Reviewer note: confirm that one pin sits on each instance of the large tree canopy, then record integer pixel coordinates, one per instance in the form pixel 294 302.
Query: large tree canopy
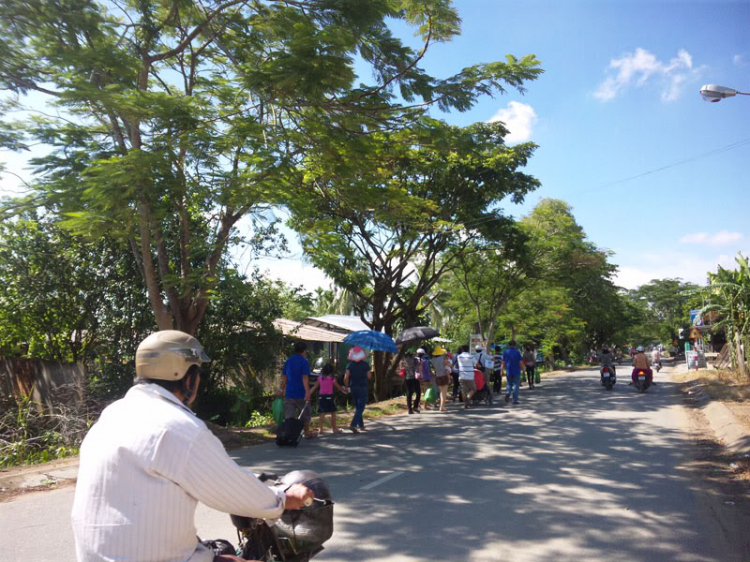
pixel 664 306
pixel 170 120
pixel 381 224
pixel 488 274
pixel 570 261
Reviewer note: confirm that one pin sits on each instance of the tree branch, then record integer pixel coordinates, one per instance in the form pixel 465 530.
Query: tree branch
pixel 193 34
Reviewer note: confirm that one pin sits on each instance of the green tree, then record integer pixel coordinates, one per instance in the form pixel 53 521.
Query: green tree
pixel 665 308
pixel 728 296
pixel 488 274
pixel 52 305
pixel 545 315
pixel 561 250
pixel 381 225
pixel 174 119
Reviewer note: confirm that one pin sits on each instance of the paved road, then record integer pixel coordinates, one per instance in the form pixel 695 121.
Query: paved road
pixel 573 473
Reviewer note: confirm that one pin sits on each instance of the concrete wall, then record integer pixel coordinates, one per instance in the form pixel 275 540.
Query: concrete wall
pixel 49 382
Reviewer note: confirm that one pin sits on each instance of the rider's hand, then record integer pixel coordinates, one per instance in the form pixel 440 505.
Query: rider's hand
pixel 297 496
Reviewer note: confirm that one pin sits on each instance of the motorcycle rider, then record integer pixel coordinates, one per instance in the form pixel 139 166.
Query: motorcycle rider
pixel 607 360
pixel 656 357
pixel 640 363
pixel 148 461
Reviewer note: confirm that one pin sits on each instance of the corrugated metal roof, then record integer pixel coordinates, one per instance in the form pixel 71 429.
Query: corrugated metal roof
pixel 305 332
pixel 337 322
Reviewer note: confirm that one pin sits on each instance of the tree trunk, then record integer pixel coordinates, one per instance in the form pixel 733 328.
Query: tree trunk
pixel 162 315
pixel 740 353
pixel 385 366
pixel 380 366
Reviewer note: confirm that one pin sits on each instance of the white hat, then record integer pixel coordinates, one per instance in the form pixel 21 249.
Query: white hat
pixel 420 351
pixel 167 355
pixel 478 348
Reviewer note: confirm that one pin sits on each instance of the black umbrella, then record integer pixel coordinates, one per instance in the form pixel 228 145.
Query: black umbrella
pixel 418 333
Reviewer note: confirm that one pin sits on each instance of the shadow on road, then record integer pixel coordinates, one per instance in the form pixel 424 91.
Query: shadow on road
pixel 573 473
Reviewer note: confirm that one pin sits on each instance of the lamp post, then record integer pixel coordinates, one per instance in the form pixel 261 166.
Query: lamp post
pixel 714 93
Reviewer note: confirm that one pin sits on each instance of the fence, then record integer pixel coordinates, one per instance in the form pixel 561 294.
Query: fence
pixel 48 382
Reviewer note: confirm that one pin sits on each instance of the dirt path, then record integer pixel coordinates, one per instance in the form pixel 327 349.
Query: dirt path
pixel 723 478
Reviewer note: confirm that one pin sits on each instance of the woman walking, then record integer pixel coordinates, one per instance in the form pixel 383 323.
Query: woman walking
pixel 355 379
pixel 529 360
pixel 442 378
pixel 424 373
pixel 412 384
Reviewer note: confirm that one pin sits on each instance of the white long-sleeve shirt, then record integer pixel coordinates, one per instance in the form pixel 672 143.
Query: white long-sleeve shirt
pixel 144 467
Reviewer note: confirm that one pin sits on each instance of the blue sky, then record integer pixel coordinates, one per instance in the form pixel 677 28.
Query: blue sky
pixel 619 98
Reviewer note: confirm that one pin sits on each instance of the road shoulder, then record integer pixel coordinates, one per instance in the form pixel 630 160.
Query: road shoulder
pixel 721 478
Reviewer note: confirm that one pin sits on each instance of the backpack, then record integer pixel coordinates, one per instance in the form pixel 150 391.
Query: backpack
pixel 479 366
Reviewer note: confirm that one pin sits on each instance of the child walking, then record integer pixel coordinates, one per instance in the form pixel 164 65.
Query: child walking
pixel 326 381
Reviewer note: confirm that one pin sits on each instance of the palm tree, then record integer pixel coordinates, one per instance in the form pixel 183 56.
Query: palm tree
pixel 336 301
pixel 728 294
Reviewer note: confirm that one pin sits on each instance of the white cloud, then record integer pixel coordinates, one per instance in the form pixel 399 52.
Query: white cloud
pixel 721 238
pixel 638 68
pixel 519 118
pixel 672 265
pixel 294 273
pixel 738 60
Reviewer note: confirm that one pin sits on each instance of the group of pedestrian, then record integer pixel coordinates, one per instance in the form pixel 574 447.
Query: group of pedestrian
pixel 470 372
pixel 296 390
pixel 421 372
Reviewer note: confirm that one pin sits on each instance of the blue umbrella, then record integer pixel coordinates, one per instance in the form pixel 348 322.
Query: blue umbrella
pixel 370 339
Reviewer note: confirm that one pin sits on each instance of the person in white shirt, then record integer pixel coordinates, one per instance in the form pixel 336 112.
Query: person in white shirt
pixel 656 357
pixel 485 363
pixel 149 460
pixel 466 364
pixel 481 358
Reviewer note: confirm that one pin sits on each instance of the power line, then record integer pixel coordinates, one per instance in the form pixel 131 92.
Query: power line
pixel 726 148
pixel 738 144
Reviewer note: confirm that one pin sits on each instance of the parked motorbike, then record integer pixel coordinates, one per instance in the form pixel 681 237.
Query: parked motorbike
pixel 641 380
pixel 298 535
pixel 608 377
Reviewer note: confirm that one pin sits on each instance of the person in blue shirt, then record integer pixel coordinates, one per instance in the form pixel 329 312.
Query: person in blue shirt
pixel 512 364
pixel 295 385
pixel 355 379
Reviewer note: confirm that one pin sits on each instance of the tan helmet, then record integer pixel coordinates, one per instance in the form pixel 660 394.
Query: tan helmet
pixel 167 355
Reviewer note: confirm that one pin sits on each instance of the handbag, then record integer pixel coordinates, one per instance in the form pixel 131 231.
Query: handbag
pixel 402 373
pixel 278 410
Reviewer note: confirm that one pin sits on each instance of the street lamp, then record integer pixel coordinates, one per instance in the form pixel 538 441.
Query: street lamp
pixel 714 93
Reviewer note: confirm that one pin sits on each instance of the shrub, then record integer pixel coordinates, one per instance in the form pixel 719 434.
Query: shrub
pixel 258 419
pixel 30 437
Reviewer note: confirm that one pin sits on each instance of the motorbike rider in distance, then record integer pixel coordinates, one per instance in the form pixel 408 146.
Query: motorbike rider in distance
pixel 656 358
pixel 149 460
pixel 640 363
pixel 607 360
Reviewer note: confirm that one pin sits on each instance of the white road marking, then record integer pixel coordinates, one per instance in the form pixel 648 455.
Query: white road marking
pixel 383 480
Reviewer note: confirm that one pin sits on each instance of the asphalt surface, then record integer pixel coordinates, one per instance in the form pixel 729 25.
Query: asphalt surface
pixel 572 473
